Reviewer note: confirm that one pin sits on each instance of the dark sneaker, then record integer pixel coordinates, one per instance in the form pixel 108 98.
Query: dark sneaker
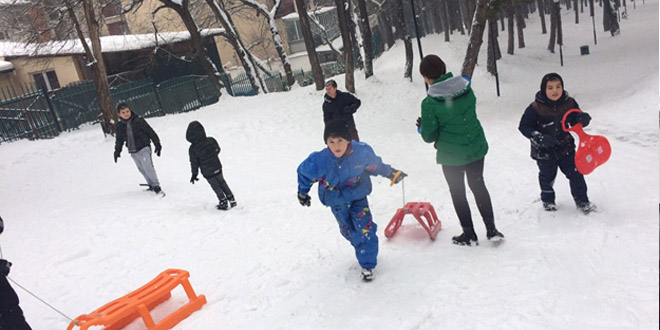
pixel 549 206
pixel 494 235
pixel 586 207
pixel 465 239
pixel 367 274
pixel 223 205
pixel 156 189
pixel 232 202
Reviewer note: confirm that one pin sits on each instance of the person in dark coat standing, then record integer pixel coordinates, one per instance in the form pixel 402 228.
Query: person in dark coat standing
pixel 340 105
pixel 11 315
pixel 136 133
pixel 551 146
pixel 203 154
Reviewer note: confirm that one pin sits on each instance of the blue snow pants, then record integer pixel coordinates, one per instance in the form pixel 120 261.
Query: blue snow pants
pixel 357 226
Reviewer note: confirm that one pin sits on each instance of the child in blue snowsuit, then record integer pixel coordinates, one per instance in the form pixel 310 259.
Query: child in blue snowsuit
pixel 343 171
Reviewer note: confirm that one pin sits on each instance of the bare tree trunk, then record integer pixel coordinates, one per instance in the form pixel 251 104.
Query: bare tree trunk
pixel 510 26
pixel 366 39
pixel 494 53
pixel 520 24
pixel 435 17
pixel 470 8
pixel 274 31
pixel 554 24
pixel 309 45
pixel 476 38
pixel 445 19
pixel 199 51
pixel 109 114
pixel 342 17
pixel 577 14
pixel 407 73
pixel 232 35
pixel 539 3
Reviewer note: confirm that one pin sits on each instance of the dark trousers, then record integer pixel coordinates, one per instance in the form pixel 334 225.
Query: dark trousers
pixel 548 173
pixel 11 316
pixel 220 187
pixel 475 177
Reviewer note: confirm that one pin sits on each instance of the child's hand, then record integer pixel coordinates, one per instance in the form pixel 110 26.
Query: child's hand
pixel 116 155
pixel 193 178
pixel 418 123
pixel 4 267
pixel 396 176
pixel 158 149
pixel 304 199
pixel 543 140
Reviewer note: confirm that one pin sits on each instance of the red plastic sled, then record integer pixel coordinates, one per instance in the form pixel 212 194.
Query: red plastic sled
pixel 593 150
pixel 421 211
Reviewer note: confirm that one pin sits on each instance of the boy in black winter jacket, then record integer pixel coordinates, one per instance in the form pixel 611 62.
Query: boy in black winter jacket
pixel 551 146
pixel 136 133
pixel 203 154
pixel 11 315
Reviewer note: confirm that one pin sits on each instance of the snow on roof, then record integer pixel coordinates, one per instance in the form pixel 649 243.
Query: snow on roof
pixel 6 66
pixel 319 10
pixel 109 44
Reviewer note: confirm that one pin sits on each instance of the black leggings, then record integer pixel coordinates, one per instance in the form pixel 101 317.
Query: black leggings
pixel 475 178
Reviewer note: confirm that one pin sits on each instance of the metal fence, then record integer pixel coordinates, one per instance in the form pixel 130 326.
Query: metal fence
pixel 36 114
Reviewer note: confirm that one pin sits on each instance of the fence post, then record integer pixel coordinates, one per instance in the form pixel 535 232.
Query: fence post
pixel 199 98
pixel 160 104
pixel 56 117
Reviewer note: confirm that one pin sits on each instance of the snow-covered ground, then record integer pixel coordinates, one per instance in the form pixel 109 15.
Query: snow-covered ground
pixel 81 232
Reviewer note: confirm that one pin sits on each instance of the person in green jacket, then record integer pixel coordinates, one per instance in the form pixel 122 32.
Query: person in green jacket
pixel 449 121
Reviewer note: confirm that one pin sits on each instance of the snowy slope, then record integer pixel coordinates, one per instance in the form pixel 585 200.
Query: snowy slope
pixel 81 233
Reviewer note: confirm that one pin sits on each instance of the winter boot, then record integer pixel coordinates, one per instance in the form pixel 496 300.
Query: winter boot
pixel 466 239
pixel 585 207
pixel 232 201
pixel 367 274
pixel 156 189
pixel 494 235
pixel 549 206
pixel 223 205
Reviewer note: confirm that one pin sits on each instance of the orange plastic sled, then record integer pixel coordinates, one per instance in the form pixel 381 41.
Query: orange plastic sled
pixel 421 211
pixel 119 313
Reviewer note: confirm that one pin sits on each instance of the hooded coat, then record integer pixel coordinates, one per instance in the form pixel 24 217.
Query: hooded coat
pixel 143 134
pixel 544 116
pixel 449 121
pixel 203 151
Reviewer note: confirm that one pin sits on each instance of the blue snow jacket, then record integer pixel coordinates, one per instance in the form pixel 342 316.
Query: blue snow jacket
pixel 341 179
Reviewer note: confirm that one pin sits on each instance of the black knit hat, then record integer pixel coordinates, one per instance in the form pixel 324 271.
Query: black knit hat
pixel 336 127
pixel 551 76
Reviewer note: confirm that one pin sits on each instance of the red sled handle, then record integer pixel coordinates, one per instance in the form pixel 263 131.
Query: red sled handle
pixel 575 128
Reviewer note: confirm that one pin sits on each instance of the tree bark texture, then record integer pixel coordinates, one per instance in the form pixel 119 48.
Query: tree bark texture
pixel 407 71
pixel 366 39
pixel 343 18
pixel 108 112
pixel 199 51
pixel 520 25
pixel 542 15
pixel 309 45
pixel 510 27
pixel 476 38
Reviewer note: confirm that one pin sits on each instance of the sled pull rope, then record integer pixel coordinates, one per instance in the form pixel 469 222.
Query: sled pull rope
pixel 34 295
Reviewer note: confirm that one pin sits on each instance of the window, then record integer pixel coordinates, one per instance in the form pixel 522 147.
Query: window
pixel 117 28
pixel 46 79
pixel 293 30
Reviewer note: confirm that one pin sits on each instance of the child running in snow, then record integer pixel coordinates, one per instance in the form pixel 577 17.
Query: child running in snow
pixel 343 171
pixel 203 154
pixel 551 146
pixel 136 133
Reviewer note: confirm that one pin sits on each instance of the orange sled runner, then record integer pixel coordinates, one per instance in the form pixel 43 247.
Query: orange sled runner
pixel 119 313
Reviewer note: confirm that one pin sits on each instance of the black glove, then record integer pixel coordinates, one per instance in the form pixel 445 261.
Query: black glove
pixel 117 155
pixel 543 140
pixel 418 123
pixel 393 173
pixel 304 199
pixel 4 267
pixel 2 225
pixel 193 178
pixel 158 148
pixel 578 118
pixel 583 118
